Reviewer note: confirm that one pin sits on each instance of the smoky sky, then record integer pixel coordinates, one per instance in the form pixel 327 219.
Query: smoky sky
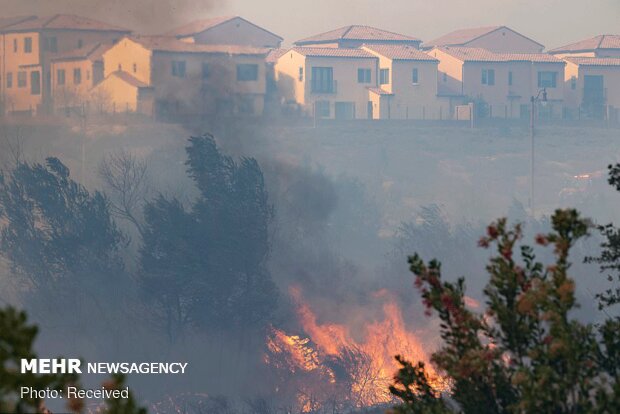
pixel 551 22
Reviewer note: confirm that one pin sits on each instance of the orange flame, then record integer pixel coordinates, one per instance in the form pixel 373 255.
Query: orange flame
pixel 362 370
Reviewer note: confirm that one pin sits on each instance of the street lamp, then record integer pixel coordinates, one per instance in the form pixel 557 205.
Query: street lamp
pixel 541 97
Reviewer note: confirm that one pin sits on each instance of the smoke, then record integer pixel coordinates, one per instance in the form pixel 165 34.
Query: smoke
pixel 142 16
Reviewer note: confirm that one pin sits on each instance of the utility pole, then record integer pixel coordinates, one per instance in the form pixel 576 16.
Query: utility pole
pixel 531 200
pixel 533 101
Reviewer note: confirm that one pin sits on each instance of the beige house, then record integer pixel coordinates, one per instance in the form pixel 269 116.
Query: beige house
pixel 226 30
pixel 328 82
pixel 500 39
pixel 29 46
pixel 592 87
pixel 501 84
pixel 407 84
pixel 355 36
pixel 186 78
pixel 599 46
pixel 73 76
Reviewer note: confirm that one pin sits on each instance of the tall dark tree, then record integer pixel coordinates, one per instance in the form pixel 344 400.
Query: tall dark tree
pixel 58 237
pixel 207 265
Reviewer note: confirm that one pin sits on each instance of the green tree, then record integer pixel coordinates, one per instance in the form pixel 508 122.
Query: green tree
pixel 16 341
pixel 206 265
pixel 59 238
pixel 525 353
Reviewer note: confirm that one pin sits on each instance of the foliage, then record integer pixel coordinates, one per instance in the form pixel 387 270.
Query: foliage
pixel 206 265
pixel 57 235
pixel 16 340
pixel 609 260
pixel 525 353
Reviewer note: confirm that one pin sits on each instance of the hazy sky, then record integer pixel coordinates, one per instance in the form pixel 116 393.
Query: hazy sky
pixel 551 22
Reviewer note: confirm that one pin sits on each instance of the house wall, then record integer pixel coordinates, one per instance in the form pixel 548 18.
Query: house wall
pixel 71 94
pixel 238 32
pixel 18 99
pixel 290 87
pixel 123 55
pixel 449 71
pixel 347 87
pixel 611 83
pixel 505 40
pixel 415 101
pixel 113 95
pixel 193 94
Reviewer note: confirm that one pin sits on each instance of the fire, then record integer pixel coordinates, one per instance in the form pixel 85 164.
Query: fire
pixel 331 367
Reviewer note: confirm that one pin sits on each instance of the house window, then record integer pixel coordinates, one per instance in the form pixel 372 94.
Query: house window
pixel 28 45
pixel 573 82
pixel 488 77
pixel 14 45
pixel 247 72
pixel 35 83
pixel 363 76
pixel 178 68
pixel 415 76
pixel 60 77
pixel 22 79
pixel 9 79
pixel 50 44
pixel 323 80
pixel 300 77
pixel 322 109
pixel 445 77
pixel 205 70
pixel 547 79
pixel 80 43
pixel 384 76
pixel 510 78
pixel 135 68
pixel 77 76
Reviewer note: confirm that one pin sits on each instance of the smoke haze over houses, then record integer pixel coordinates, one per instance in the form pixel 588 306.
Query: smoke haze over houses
pixel 551 22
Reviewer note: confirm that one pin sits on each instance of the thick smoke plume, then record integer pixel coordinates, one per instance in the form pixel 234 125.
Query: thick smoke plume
pixel 143 16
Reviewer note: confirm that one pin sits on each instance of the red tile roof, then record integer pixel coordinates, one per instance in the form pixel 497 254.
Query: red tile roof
pixel 400 52
pixel 333 52
pixel 476 54
pixel 172 44
pixel 464 36
pixel 10 21
pixel 90 52
pixel 592 61
pixel 66 22
pixel 200 26
pixel 274 55
pixel 129 79
pixel 591 44
pixel 356 32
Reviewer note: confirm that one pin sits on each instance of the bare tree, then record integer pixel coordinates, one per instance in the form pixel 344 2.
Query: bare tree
pixel 12 141
pixel 125 176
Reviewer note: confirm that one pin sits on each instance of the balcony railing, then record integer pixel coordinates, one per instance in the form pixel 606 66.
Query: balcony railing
pixel 324 87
